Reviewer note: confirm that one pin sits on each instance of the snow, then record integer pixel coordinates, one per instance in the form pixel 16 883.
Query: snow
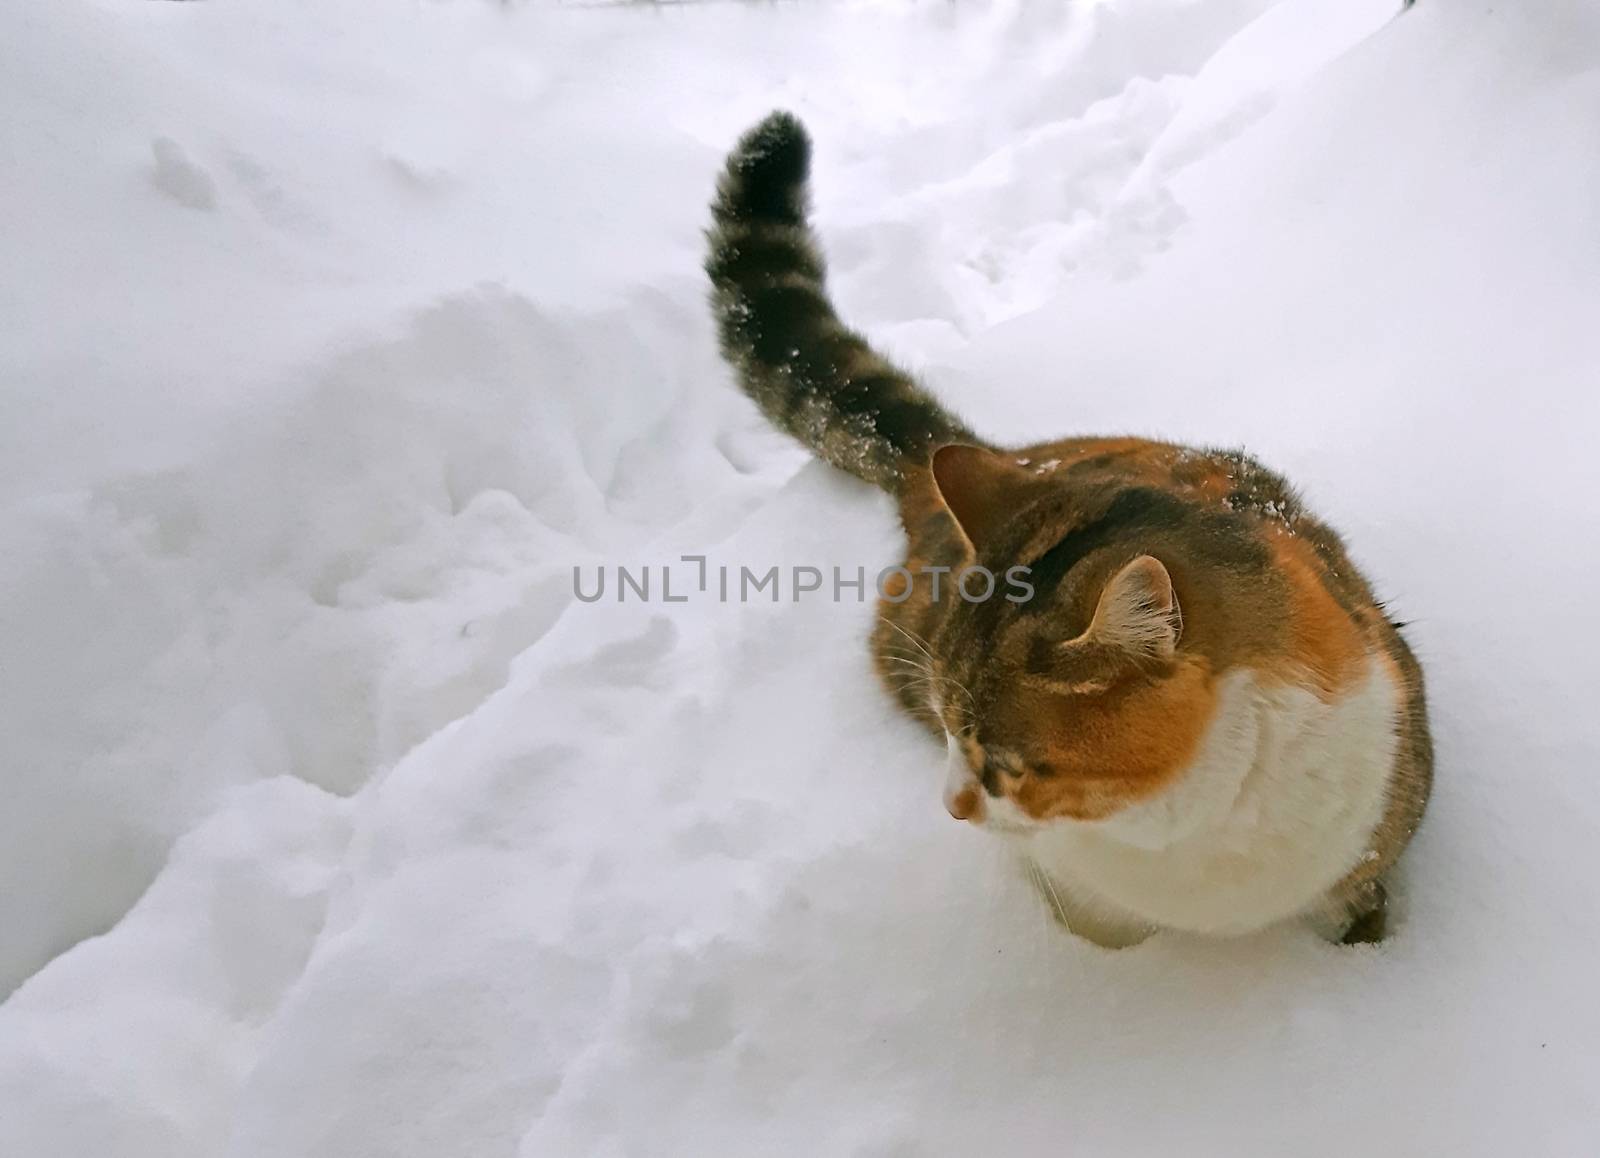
pixel 338 334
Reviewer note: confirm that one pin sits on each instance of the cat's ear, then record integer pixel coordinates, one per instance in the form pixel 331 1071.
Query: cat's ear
pixel 1138 611
pixel 979 487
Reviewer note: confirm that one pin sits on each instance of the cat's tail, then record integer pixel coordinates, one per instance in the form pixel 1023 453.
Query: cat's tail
pixel 810 374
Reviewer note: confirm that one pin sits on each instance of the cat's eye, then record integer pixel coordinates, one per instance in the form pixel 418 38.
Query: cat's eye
pixel 1008 764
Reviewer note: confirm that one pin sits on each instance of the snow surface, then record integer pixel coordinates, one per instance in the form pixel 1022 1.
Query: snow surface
pixel 337 333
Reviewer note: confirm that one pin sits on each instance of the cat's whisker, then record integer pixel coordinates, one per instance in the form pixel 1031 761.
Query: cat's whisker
pixel 916 642
pixel 908 662
pixel 922 646
pixel 1055 897
pixel 913 686
pixel 933 678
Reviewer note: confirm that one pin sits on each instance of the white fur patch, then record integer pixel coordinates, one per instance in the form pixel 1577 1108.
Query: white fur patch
pixel 1280 804
pixel 958 777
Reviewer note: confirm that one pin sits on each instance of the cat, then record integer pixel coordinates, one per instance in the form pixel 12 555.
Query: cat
pixel 1201 720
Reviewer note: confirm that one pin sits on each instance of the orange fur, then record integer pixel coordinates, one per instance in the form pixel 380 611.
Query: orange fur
pixel 1324 643
pixel 1104 754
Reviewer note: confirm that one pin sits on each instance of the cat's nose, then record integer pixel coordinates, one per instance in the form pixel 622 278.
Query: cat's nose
pixel 965 804
pixel 962 796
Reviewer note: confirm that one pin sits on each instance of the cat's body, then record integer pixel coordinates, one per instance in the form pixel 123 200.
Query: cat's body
pixel 1201 719
pixel 1280 773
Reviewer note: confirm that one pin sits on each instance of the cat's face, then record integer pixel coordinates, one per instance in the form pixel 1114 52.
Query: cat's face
pixel 1073 707
pixel 1029 753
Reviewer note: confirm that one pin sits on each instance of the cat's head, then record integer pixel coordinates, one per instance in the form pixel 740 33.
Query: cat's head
pixel 1082 699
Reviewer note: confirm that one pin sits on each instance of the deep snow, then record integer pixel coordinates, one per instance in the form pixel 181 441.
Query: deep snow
pixel 338 333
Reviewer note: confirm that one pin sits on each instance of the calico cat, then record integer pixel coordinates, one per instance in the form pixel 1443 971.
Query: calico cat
pixel 1201 720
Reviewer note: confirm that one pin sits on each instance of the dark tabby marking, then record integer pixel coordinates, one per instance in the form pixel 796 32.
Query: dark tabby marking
pixel 809 373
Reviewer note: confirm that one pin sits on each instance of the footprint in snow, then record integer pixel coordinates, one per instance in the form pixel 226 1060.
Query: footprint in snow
pixel 180 178
pixel 628 663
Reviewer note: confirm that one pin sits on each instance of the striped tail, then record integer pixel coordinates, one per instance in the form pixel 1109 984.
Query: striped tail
pixel 810 374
